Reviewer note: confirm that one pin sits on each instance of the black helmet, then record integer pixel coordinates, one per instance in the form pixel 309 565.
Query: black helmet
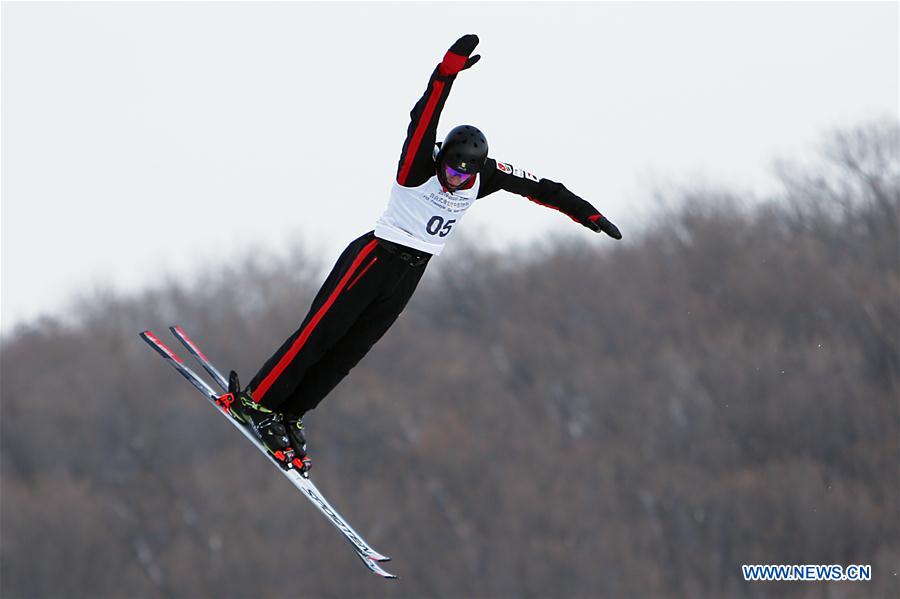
pixel 464 149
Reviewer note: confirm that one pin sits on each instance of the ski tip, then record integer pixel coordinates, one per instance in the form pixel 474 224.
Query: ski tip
pixel 373 566
pixel 150 337
pixel 384 573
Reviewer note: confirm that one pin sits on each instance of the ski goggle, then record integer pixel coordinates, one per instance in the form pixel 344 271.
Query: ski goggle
pixel 452 172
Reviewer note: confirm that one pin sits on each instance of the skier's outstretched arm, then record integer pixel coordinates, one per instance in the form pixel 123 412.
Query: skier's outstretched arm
pixel 416 162
pixel 499 175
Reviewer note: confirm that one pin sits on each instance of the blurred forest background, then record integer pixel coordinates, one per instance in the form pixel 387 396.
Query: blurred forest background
pixel 601 419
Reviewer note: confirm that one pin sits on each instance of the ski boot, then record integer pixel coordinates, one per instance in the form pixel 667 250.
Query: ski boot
pixel 268 426
pixel 294 426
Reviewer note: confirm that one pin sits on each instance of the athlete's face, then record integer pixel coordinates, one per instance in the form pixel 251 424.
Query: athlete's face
pixel 455 178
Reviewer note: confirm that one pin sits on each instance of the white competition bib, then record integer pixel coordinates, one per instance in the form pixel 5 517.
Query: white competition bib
pixel 424 217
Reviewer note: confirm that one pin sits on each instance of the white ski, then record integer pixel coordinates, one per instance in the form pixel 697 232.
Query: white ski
pixel 369 556
pixel 314 495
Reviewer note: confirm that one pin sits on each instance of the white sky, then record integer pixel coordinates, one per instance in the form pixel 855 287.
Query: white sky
pixel 142 139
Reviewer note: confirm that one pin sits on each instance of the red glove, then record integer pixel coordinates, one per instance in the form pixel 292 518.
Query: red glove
pixel 457 57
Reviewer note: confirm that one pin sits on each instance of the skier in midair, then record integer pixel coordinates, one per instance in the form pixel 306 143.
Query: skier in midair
pixel 377 273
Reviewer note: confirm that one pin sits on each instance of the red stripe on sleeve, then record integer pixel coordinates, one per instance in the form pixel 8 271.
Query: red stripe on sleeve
pixel 416 140
pixel 553 207
pixel 295 348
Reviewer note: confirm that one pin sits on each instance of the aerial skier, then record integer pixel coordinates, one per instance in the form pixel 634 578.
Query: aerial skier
pixel 377 273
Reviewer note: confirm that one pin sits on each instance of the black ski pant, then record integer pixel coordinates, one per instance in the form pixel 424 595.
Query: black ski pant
pixel 362 297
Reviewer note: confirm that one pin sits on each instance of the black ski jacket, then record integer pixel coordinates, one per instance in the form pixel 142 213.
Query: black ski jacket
pixel 417 163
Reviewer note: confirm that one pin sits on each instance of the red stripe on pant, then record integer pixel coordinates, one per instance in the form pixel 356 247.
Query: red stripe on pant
pixel 295 348
pixel 362 272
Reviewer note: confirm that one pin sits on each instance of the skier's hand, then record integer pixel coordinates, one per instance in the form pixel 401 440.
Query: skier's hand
pixel 457 57
pixel 601 223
